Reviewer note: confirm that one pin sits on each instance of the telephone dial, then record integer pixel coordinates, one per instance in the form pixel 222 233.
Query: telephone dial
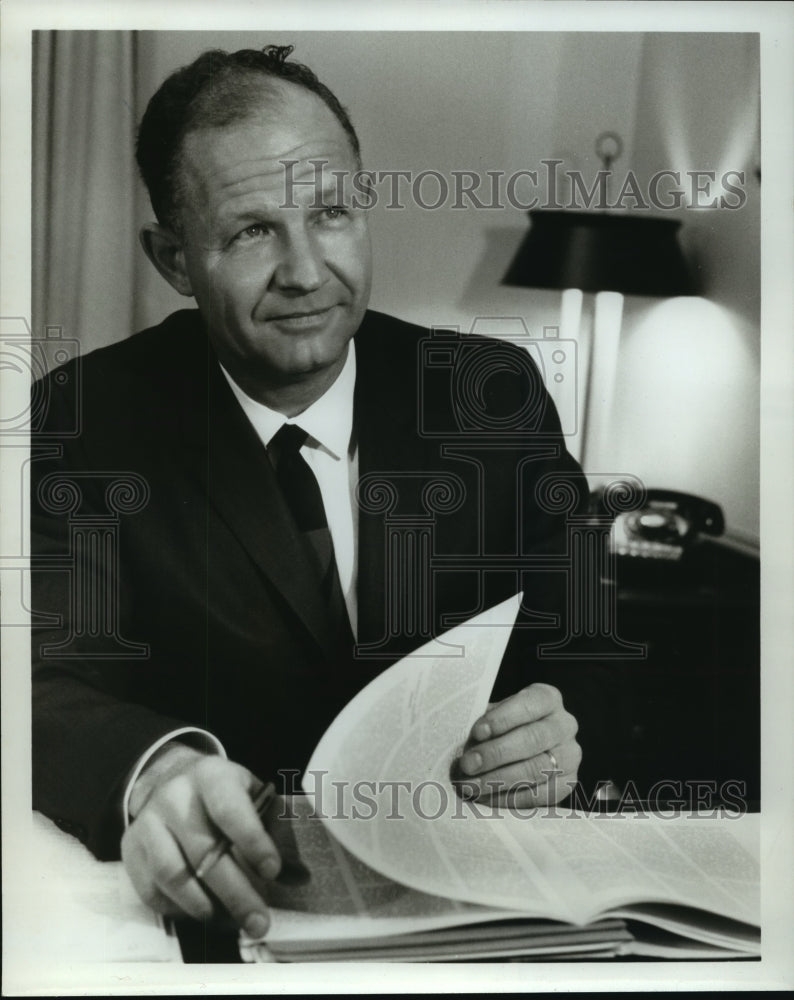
pixel 665 526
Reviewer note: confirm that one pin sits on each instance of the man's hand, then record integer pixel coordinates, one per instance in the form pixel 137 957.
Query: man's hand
pixel 182 805
pixel 514 747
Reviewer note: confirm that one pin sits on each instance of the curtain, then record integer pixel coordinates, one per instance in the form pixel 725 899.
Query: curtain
pixel 90 277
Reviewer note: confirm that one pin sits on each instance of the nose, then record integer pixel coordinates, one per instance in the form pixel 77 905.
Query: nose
pixel 301 267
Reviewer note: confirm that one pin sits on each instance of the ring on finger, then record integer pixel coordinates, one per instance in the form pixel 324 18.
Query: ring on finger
pixel 182 878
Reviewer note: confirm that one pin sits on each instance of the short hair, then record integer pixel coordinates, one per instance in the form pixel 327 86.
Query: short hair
pixel 216 89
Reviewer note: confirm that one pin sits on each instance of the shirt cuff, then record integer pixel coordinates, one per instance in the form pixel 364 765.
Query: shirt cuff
pixel 199 738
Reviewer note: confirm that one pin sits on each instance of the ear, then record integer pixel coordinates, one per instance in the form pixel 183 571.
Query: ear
pixel 164 249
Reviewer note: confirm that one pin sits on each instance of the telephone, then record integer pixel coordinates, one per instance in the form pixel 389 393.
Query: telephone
pixel 665 526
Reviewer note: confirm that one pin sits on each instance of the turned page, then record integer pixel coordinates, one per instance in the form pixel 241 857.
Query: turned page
pixel 380 776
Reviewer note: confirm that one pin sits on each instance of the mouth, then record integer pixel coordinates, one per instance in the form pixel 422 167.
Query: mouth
pixel 302 319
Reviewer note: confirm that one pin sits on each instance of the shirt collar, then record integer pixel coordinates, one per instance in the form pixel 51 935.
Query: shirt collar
pixel 329 419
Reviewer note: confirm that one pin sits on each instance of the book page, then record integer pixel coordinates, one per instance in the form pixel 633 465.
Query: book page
pixel 707 862
pixel 380 776
pixel 653 919
pixel 346 899
pixel 654 942
pixel 380 780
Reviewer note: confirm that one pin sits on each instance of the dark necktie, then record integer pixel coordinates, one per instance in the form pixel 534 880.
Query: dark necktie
pixel 304 499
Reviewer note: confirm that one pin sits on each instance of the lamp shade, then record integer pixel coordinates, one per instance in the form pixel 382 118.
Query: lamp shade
pixel 599 252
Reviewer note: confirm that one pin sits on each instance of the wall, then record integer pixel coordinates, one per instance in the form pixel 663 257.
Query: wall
pixel 686 406
pixel 687 410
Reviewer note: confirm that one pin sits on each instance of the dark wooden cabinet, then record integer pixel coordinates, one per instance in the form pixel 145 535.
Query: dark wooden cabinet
pixel 690 710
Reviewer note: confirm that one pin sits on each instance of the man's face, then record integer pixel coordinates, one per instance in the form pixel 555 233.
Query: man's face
pixel 282 289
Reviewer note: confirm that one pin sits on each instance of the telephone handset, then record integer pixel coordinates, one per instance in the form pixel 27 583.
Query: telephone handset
pixel 665 526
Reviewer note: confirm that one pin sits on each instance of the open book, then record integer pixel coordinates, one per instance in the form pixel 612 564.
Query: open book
pixel 403 869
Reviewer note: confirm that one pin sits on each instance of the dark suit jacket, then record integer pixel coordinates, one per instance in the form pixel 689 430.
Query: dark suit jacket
pixel 204 610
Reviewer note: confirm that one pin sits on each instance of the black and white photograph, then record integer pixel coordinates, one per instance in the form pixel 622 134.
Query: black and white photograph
pixel 396 461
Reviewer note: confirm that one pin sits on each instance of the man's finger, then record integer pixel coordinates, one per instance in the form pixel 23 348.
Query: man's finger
pixel 230 885
pixel 524 796
pixel 174 878
pixel 230 809
pixel 533 703
pixel 531 773
pixel 158 871
pixel 520 744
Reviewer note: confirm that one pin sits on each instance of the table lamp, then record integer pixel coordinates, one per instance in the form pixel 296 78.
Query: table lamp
pixel 609 254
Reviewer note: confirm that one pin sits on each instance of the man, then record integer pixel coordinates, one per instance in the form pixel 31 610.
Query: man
pixel 228 654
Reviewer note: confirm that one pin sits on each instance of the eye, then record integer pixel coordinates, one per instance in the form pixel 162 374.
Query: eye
pixel 335 212
pixel 253 232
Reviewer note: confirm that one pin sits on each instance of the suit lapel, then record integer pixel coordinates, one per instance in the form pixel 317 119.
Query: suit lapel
pixel 385 418
pixel 390 406
pixel 234 468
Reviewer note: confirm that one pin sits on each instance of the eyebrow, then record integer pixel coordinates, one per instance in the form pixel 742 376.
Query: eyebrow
pixel 330 193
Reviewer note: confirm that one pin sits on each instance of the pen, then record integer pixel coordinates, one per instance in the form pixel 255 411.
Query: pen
pixel 260 802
